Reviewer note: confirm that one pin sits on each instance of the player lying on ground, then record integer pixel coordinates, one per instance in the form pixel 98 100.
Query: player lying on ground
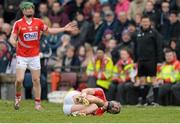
pixel 90 101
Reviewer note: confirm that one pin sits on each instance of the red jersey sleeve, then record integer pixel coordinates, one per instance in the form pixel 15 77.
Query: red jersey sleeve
pixel 99 111
pixel 15 28
pixel 100 94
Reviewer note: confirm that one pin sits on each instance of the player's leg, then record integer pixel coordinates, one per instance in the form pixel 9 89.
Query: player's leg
pixel 35 67
pixel 18 86
pixel 36 87
pixel 21 66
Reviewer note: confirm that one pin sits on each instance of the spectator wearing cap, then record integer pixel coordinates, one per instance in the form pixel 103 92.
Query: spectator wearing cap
pixel 110 22
pixel 136 7
pixel 108 35
pixel 94 31
pixel 174 29
pixel 122 6
pixel 99 71
pixel 122 24
pixel 57 15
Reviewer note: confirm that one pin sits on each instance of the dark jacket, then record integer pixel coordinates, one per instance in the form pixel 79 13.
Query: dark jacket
pixel 93 35
pixel 73 67
pixel 174 30
pixel 61 18
pixel 148 45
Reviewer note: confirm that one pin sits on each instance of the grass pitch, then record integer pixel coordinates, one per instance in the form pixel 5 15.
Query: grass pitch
pixel 53 114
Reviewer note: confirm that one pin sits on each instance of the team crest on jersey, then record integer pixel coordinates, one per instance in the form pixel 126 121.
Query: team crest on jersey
pixel 30 36
pixel 23 28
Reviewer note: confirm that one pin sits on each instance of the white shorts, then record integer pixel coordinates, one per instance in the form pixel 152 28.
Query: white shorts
pixel 69 102
pixel 32 63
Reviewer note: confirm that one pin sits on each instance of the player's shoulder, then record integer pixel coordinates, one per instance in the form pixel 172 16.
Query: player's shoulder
pixel 18 21
pixel 38 19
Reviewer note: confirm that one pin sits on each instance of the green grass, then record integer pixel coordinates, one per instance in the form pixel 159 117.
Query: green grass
pixel 53 113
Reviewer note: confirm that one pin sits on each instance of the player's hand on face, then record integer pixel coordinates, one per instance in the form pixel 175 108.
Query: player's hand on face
pixel 71 27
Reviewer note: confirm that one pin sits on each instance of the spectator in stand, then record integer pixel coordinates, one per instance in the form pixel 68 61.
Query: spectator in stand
pixel 178 6
pixel 123 23
pixel 90 7
pixel 81 54
pixel 57 15
pixel 61 50
pixel 70 61
pixel 122 6
pixel 173 45
pixel 136 7
pixel 151 12
pixel 163 22
pixel 108 35
pixel 54 39
pixel 5 55
pixel 72 7
pixel 123 78
pixel 89 55
pixel 112 51
pixel 93 35
pixel 174 29
pixel 132 28
pixel 6 27
pixel 10 9
pixel 1 23
pixel 50 3
pixel 83 25
pixel 127 41
pixel 110 22
pixel 43 10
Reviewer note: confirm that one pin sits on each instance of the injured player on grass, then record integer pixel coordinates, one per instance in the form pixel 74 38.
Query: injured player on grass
pixel 90 101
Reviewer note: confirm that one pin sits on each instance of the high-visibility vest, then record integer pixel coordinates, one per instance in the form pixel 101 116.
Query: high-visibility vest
pixel 102 70
pixel 128 72
pixel 169 73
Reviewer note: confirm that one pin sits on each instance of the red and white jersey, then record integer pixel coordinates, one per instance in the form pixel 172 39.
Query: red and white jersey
pixel 28 36
pixel 100 94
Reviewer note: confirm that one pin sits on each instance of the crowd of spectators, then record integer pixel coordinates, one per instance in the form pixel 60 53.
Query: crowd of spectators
pixel 108 23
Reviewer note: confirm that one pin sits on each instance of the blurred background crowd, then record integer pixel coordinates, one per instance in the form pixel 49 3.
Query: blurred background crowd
pixel 110 41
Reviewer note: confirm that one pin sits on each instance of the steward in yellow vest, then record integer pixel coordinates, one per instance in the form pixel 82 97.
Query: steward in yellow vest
pixel 124 73
pixel 99 70
pixel 168 78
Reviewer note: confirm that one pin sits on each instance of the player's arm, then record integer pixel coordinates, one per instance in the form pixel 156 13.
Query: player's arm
pixel 13 39
pixel 88 91
pixel 69 27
